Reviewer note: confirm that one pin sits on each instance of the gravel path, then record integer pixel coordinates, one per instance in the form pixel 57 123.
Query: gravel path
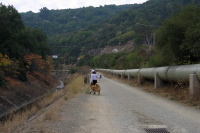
pixel 121 108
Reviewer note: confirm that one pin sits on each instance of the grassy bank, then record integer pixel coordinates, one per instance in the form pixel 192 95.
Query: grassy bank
pixel 46 108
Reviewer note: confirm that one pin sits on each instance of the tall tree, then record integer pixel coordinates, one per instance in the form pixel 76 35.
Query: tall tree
pixel 44 13
pixel 178 39
pixel 10 27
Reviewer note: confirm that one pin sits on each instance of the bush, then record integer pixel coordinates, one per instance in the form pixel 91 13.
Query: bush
pixel 73 70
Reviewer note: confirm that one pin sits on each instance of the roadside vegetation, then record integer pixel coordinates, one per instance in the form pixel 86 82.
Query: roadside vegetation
pixel 45 109
pixel 25 69
pixel 76 86
pixel 22 49
pixel 14 121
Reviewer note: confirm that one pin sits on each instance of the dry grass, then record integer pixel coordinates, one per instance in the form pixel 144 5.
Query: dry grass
pixel 53 114
pixel 18 119
pixel 75 86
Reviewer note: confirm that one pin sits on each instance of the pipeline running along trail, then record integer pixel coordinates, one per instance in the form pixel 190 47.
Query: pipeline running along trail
pixel 121 108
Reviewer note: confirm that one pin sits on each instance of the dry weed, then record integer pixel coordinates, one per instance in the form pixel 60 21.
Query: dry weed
pixel 76 86
pixel 11 124
pixel 53 113
pixel 51 98
pixel 18 119
pixel 37 127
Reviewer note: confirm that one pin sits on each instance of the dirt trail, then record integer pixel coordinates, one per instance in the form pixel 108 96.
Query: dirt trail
pixel 122 109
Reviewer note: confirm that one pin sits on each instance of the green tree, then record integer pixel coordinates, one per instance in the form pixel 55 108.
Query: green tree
pixel 11 26
pixel 178 38
pixel 44 13
pixel 16 41
pixel 190 45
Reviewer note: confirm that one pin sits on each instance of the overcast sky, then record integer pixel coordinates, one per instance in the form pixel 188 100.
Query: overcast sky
pixel 36 5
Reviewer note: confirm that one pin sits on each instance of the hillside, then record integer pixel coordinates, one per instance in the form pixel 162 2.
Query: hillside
pixel 74 32
pixel 128 47
pixel 55 22
pixel 15 94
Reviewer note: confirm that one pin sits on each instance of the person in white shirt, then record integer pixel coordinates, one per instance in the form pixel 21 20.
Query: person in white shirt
pixel 94 78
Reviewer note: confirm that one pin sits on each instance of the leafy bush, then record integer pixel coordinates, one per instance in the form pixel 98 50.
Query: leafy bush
pixel 35 62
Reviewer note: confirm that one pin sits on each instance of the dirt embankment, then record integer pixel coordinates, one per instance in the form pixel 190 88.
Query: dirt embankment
pixel 128 47
pixel 16 94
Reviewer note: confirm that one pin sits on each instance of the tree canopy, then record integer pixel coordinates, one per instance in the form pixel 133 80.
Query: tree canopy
pixel 178 39
pixel 77 32
pixel 18 41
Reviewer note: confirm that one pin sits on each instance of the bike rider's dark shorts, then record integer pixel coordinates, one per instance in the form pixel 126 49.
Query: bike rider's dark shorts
pixel 93 82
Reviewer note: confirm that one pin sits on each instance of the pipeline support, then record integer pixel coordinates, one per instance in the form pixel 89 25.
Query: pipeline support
pixel 129 76
pixel 122 76
pixel 157 81
pixel 140 79
pixel 194 87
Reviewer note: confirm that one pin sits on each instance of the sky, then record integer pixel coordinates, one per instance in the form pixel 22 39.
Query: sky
pixel 36 5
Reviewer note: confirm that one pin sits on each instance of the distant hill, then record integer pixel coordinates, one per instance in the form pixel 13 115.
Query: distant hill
pixel 74 32
pixel 68 20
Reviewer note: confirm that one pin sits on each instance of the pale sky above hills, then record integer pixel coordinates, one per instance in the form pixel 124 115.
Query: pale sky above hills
pixel 36 5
